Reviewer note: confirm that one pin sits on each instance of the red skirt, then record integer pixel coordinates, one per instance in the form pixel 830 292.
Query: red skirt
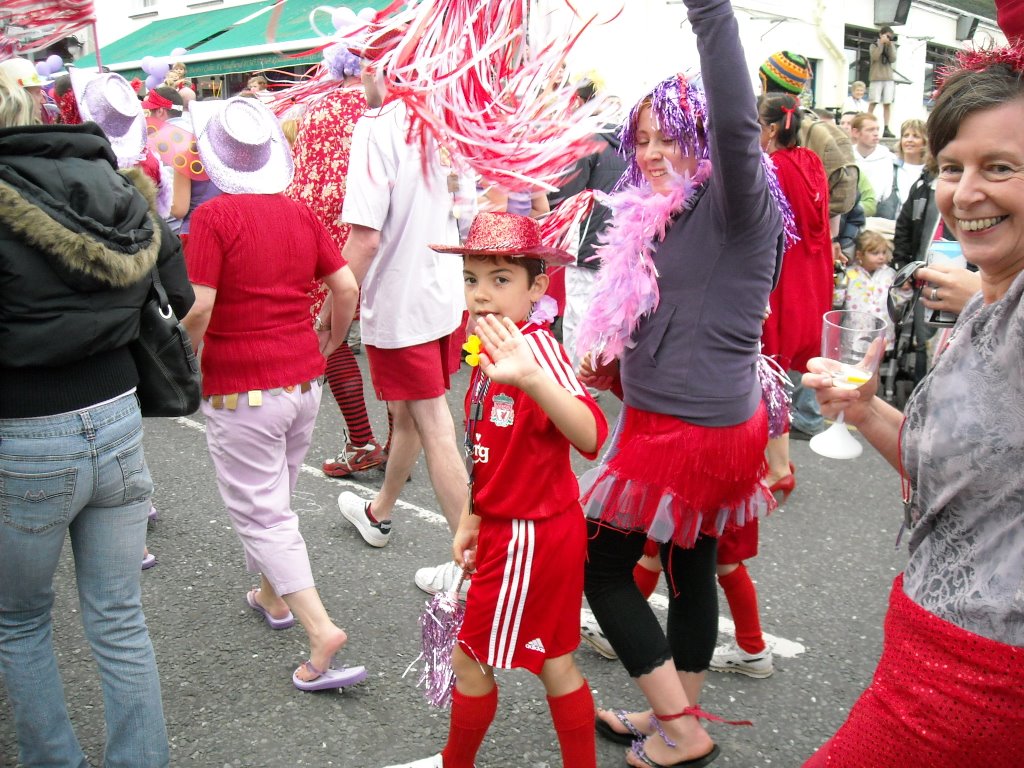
pixel 941 697
pixel 677 480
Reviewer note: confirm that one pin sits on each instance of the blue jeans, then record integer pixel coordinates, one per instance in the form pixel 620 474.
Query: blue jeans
pixel 84 474
pixel 804 411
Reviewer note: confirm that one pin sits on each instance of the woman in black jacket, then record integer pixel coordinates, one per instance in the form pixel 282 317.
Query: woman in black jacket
pixel 77 244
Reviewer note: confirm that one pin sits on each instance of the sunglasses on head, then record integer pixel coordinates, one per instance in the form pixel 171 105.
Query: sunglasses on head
pixel 899 305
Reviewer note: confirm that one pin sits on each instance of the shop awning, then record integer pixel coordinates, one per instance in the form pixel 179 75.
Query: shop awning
pixel 160 37
pixel 227 40
pixel 244 47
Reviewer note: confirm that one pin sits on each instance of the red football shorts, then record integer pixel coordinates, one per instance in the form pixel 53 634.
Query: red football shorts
pixel 524 604
pixel 420 372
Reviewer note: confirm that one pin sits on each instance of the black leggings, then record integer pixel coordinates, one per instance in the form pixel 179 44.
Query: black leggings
pixel 627 619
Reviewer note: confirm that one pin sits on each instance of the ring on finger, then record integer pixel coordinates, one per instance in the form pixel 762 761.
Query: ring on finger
pixel 935 294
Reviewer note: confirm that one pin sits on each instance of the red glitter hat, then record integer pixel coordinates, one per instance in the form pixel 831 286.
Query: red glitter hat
pixel 507 234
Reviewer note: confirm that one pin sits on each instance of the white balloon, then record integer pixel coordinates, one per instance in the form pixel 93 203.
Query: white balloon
pixel 367 14
pixel 147 64
pixel 343 17
pixel 179 52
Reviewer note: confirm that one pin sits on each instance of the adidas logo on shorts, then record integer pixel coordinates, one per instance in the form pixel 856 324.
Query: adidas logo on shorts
pixel 535 645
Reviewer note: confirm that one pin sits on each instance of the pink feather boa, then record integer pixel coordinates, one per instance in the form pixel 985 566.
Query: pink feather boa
pixel 627 283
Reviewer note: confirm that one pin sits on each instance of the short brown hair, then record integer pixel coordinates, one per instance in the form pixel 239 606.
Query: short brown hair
pixel 918 127
pixel 532 266
pixel 966 92
pixel 857 123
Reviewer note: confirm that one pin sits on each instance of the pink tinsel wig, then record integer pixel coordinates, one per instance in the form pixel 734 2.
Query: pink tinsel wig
pixel 679 109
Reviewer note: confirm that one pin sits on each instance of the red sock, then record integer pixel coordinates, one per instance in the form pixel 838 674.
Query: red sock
pixel 742 597
pixel 471 717
pixel 646 579
pixel 573 716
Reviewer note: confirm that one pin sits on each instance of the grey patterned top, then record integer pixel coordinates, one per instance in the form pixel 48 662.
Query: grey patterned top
pixel 963 448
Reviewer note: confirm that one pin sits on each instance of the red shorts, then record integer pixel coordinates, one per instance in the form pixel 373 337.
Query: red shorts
pixel 524 607
pixel 738 544
pixel 420 372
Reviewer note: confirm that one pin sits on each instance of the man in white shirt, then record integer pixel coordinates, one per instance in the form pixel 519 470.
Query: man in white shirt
pixel 873 158
pixel 411 306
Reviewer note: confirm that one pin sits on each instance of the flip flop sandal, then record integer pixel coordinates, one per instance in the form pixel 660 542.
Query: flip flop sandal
pixel 329 678
pixel 283 623
pixel 697 762
pixel 633 733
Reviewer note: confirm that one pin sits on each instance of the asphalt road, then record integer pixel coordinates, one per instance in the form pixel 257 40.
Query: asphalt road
pixel 826 564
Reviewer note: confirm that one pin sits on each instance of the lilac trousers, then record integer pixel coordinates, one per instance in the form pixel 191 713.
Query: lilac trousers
pixel 257 452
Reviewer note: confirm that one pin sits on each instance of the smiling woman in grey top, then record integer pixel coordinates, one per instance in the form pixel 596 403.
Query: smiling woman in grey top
pixel 947 690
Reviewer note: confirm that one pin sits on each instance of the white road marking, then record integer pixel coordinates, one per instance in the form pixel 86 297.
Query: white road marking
pixel 780 646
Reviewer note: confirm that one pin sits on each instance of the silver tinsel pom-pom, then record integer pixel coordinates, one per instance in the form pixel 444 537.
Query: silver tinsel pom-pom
pixel 440 624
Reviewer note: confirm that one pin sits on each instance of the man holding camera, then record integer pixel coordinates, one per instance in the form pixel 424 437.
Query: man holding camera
pixel 883 86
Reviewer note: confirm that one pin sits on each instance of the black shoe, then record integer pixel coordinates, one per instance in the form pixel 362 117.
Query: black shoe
pixel 887 134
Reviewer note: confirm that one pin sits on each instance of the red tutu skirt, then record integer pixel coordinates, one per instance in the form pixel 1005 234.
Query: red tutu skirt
pixel 941 697
pixel 677 480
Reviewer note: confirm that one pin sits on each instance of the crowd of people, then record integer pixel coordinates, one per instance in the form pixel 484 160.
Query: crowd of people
pixel 723 221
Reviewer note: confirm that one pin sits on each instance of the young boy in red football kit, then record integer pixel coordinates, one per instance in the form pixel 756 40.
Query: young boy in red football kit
pixel 523 536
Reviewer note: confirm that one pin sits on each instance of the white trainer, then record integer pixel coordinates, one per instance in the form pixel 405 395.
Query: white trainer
pixel 731 658
pixel 354 509
pixel 426 762
pixel 441 578
pixel 591 631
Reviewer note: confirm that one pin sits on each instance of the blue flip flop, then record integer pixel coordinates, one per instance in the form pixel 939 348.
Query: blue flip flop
pixel 329 678
pixel 287 621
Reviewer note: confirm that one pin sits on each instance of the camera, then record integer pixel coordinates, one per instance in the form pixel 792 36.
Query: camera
pixel 946 252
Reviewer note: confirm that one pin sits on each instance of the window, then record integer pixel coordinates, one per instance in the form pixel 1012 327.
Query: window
pixel 857 42
pixel 935 57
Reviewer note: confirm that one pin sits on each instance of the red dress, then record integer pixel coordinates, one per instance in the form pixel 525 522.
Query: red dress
pixel 793 332
pixel 321 164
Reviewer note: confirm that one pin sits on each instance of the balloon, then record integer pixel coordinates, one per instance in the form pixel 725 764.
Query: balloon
pixel 367 14
pixel 55 63
pixel 177 52
pixel 343 17
pixel 154 82
pixel 160 69
pixel 42 69
pixel 147 64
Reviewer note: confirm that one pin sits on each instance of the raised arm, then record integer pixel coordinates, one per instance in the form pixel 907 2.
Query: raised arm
pixel 735 133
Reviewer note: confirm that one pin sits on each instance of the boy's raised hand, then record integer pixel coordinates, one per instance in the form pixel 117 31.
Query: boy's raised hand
pixel 505 357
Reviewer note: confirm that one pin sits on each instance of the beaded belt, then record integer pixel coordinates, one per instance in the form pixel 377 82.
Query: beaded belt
pixel 255 396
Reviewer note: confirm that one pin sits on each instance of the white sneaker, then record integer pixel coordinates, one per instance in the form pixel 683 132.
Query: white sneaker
pixel 426 762
pixel 441 578
pixel 730 658
pixel 591 631
pixel 354 509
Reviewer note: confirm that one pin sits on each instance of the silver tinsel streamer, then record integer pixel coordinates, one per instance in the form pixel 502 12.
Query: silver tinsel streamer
pixel 440 624
pixel 775 386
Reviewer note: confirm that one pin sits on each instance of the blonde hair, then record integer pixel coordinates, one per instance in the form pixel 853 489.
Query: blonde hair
pixel 17 107
pixel 915 126
pixel 290 129
pixel 870 241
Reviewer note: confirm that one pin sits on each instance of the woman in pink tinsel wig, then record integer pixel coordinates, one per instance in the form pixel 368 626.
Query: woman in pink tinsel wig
pixel 692 252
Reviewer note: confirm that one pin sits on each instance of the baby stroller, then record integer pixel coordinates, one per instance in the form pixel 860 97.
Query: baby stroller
pixel 904 365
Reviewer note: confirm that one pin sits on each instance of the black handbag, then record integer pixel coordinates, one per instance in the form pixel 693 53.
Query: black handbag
pixel 169 383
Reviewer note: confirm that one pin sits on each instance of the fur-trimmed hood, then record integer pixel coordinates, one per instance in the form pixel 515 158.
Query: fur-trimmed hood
pixel 61 195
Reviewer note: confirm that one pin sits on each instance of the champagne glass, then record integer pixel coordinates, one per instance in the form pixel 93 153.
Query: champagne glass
pixel 852 344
